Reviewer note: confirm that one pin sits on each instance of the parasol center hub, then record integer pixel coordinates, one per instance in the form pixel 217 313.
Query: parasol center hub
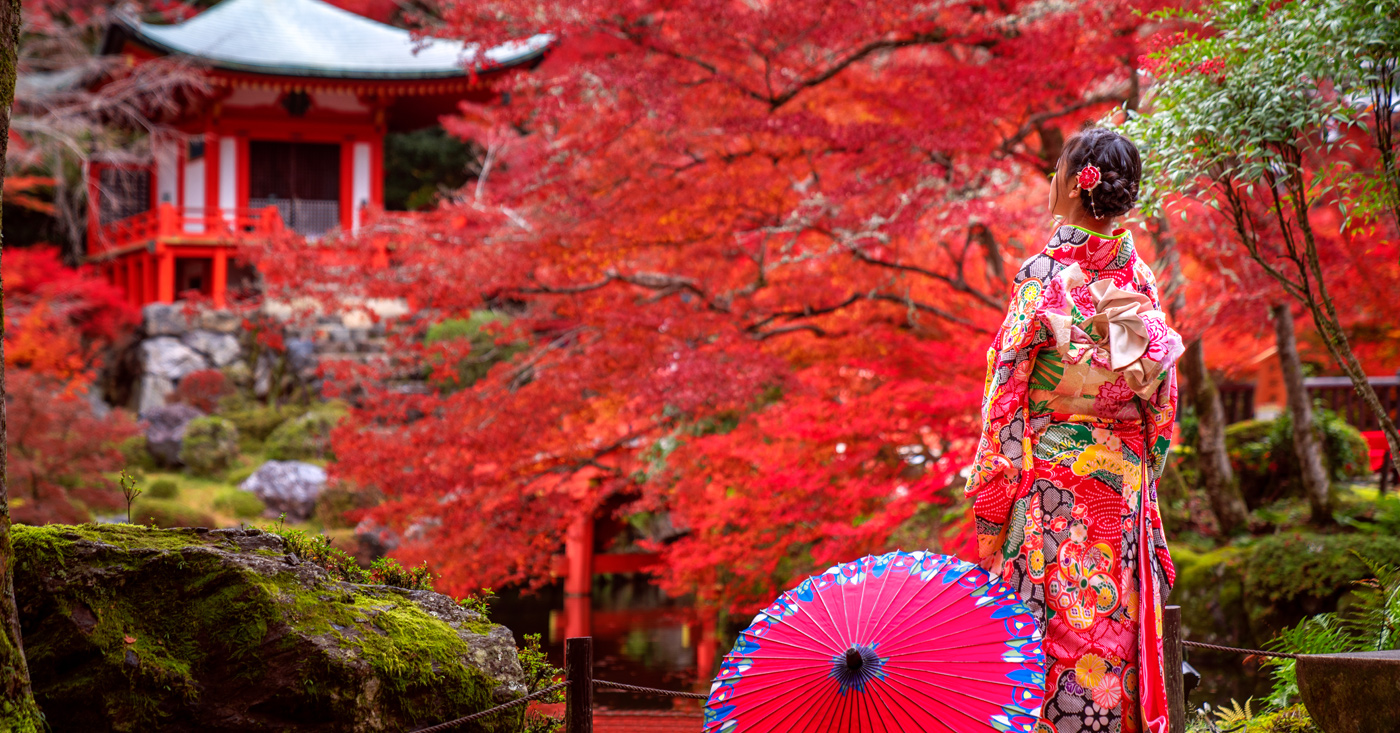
pixel 854 660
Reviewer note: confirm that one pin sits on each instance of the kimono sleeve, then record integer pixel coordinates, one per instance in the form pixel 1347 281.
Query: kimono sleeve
pixel 1003 449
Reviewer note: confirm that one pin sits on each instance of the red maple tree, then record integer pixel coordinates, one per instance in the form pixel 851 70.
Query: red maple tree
pixel 58 323
pixel 756 251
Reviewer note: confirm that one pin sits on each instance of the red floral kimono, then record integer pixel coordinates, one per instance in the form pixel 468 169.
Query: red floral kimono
pixel 1077 418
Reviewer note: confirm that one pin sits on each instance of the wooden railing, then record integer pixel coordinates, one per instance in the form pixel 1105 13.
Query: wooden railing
pixel 170 222
pixel 1339 396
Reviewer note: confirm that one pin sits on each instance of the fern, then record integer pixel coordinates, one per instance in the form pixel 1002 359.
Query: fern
pixel 1370 623
pixel 1232 718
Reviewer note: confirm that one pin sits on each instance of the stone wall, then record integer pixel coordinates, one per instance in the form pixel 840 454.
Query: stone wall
pixel 175 341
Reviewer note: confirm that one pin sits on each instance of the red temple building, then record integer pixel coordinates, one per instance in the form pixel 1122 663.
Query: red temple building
pixel 290 137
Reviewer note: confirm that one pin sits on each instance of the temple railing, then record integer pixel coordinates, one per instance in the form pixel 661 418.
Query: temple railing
pixel 201 224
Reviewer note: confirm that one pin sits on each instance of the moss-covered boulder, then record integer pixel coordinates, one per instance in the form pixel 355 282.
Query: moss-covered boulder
pixel 304 438
pixel 1243 594
pixel 134 629
pixel 210 445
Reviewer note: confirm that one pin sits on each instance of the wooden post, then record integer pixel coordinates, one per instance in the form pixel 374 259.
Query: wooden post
pixel 165 278
pixel 578 672
pixel 1171 663
pixel 578 548
pixel 219 284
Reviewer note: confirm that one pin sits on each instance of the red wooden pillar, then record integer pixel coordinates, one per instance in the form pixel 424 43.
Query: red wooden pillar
pixel 578 584
pixel 220 277
pixel 705 650
pixel 165 278
pixel 133 279
pixel 578 548
pixel 148 292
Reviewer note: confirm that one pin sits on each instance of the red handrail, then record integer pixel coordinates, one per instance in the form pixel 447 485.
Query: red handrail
pixel 168 221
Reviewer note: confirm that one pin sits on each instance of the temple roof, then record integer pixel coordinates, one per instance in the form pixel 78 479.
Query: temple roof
pixel 313 38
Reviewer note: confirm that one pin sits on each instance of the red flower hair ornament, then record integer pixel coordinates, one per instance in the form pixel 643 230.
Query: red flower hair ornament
pixel 1089 177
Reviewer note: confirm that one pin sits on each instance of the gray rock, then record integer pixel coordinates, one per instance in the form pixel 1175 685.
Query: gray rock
pixel 301 354
pixel 165 430
pixel 220 321
pixel 289 487
pixel 262 375
pixel 184 630
pixel 220 349
pixel 164 319
pixel 168 358
pixel 152 392
pixel 239 373
pixel 375 539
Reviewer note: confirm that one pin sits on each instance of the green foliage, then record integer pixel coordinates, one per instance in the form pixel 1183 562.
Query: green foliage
pixel 388 571
pixel 1261 452
pixel 1228 101
pixel 163 488
pixel 420 164
pixel 1370 623
pixel 210 445
pixel 130 492
pixel 479 603
pixel 336 500
pixel 239 503
pixel 317 549
pixel 539 674
pixel 168 513
pixel 480 333
pixel 304 438
pixel 136 455
pixel 256 422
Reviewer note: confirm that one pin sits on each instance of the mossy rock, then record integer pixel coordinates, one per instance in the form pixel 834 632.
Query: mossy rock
pixel 256 422
pixel 129 628
pixel 1243 594
pixel 168 513
pixel 304 438
pixel 239 503
pixel 210 445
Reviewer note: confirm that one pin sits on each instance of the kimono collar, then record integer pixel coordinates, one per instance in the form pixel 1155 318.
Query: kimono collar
pixel 1093 251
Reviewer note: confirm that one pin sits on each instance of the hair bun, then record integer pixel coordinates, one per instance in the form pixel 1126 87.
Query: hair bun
pixel 1120 170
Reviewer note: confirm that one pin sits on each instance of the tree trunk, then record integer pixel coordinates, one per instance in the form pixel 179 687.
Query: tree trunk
pixel 18 712
pixel 1212 460
pixel 1306 446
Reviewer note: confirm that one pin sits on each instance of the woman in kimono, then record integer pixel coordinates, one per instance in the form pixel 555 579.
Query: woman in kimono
pixel 1077 419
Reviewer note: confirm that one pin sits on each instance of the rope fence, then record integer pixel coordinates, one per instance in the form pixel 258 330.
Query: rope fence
pixel 651 690
pixel 1236 650
pixel 579 682
pixel 492 711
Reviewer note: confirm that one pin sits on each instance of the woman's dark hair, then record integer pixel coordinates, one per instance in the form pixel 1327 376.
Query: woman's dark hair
pixel 1117 160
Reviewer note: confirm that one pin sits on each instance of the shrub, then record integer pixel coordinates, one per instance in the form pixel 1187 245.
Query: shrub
pixel 306 437
pixel 480 332
pixel 210 445
pixel 388 571
pixel 338 500
pixel 166 513
pixel 136 455
pixel 239 474
pixel 239 503
pixel 1261 452
pixel 256 422
pixel 163 489
pixel 203 389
